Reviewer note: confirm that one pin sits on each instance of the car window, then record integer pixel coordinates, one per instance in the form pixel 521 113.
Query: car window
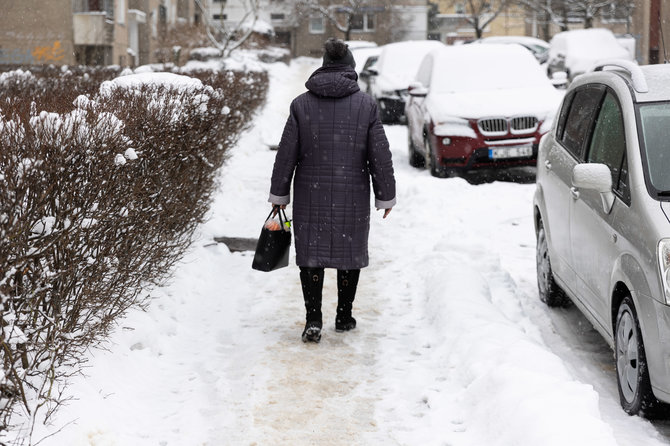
pixel 580 118
pixel 655 123
pixel 608 143
pixel 370 61
pixel 565 108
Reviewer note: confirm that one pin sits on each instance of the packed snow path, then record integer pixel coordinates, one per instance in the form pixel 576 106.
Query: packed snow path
pixel 452 345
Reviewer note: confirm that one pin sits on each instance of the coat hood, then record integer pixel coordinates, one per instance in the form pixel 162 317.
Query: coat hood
pixel 333 81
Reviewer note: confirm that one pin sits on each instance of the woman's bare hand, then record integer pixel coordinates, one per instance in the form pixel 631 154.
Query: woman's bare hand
pixel 386 212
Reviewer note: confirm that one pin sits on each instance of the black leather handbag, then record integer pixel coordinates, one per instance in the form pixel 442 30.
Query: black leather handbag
pixel 273 246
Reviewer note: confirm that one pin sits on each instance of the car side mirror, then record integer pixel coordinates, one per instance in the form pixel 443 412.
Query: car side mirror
pixel 417 90
pixel 597 177
pixel 559 79
pixel 372 71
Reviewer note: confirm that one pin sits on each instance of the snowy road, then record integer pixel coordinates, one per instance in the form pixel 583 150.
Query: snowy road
pixel 452 347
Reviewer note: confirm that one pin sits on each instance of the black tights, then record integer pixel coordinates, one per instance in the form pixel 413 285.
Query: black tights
pixel 312 289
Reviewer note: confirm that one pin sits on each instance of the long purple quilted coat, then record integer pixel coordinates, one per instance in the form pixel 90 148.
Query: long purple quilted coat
pixel 334 143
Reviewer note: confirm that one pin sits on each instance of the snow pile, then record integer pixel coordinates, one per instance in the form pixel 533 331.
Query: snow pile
pixel 205 53
pixel 167 80
pixel 16 76
pixel 507 377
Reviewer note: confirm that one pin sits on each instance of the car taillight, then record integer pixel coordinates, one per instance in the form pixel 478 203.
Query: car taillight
pixel 664 266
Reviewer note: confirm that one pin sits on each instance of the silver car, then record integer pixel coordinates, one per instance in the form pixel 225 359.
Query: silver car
pixel 602 208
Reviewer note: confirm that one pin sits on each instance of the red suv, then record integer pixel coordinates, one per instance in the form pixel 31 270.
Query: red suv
pixel 478 107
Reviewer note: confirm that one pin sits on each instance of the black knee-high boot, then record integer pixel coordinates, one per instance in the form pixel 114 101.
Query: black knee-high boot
pixel 312 288
pixel 347 281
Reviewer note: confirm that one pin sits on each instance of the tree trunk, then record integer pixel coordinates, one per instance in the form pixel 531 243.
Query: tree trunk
pixel 564 24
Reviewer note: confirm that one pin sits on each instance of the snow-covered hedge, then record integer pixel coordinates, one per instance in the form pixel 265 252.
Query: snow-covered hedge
pixel 102 183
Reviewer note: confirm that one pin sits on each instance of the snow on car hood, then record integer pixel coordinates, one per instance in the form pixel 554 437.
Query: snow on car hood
pixel 540 102
pixel 394 81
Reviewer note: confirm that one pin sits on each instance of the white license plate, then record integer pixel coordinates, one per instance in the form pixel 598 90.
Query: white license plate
pixel 510 152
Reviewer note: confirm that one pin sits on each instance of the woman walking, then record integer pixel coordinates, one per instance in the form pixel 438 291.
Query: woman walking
pixel 334 143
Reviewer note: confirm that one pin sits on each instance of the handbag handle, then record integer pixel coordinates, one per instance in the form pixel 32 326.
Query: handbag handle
pixel 280 211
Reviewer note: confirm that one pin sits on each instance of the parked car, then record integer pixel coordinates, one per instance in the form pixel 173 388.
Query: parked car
pixel 365 57
pixel 392 74
pixel 575 52
pixel 538 47
pixel 476 107
pixel 356 44
pixel 602 207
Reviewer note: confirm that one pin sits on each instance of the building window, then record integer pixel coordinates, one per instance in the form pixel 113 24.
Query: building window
pixel 617 12
pixel 277 16
pixel 316 25
pixel 162 14
pixel 106 6
pixel 363 22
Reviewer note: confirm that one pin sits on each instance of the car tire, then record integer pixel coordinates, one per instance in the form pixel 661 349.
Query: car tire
pixel 550 292
pixel 415 158
pixel 431 161
pixel 632 374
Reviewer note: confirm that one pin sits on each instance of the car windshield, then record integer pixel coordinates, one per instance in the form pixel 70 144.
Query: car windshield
pixel 655 120
pixel 486 69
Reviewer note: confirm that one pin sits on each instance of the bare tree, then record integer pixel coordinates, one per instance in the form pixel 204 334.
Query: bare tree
pixel 343 14
pixel 480 13
pixel 564 12
pixel 227 37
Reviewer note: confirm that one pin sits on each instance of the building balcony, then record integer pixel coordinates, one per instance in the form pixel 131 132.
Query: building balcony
pixel 92 28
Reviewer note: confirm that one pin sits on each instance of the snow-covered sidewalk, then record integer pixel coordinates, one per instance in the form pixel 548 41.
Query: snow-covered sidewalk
pixel 450 347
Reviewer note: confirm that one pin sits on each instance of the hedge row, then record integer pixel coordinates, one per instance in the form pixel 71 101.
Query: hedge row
pixel 101 188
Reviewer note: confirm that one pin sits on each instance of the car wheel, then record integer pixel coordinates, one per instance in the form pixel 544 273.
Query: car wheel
pixel 550 293
pixel 415 158
pixel 431 161
pixel 631 363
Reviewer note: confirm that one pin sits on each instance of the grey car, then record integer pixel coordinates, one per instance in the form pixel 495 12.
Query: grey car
pixel 602 208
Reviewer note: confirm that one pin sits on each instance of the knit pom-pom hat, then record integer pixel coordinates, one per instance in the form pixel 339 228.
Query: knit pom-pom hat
pixel 337 52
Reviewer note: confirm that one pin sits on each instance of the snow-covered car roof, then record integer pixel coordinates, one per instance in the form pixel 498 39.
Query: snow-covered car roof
pixel 589 43
pixel 522 40
pixel 485 67
pixel 398 62
pixel 582 48
pixel 355 44
pixel 493 79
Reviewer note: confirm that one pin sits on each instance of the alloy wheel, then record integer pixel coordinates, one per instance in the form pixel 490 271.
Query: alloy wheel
pixel 543 264
pixel 627 356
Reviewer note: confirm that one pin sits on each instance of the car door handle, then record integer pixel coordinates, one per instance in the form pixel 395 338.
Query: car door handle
pixel 574 192
pixel 547 165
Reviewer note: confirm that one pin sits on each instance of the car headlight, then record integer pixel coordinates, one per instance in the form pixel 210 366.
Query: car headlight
pixel 664 266
pixel 547 125
pixel 454 127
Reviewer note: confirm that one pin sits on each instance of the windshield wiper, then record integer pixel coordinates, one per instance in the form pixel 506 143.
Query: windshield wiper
pixel 663 193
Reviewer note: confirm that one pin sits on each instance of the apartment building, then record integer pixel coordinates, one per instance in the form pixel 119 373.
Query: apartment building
pixel 641 19
pixel 381 21
pixel 91 32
